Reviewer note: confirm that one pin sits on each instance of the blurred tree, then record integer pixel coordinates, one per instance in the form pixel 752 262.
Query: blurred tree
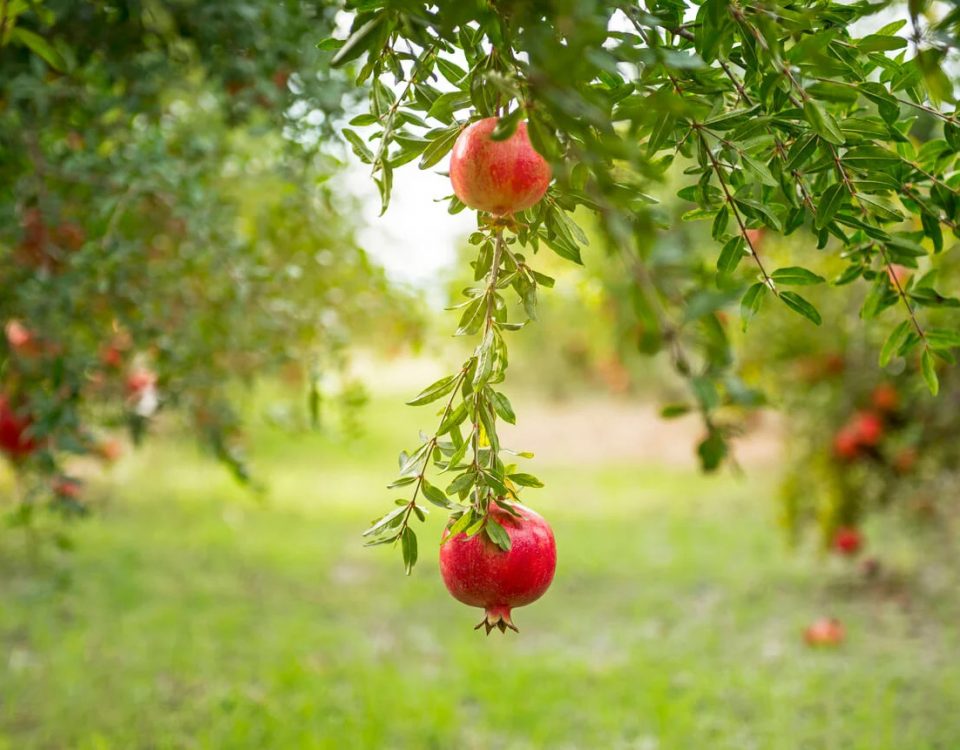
pixel 166 226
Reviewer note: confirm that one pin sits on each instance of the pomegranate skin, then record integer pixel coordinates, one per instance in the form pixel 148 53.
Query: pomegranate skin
pixel 499 177
pixel 847 540
pixel 480 574
pixel 13 441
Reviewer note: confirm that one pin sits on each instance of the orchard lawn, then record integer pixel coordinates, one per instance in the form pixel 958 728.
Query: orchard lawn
pixel 192 616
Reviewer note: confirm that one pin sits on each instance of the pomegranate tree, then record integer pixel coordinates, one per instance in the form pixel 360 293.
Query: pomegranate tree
pixel 481 573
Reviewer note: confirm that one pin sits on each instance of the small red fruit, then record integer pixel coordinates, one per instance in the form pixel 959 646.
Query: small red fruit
pixel 139 381
pixel 13 427
pixel 479 573
pixel 109 450
pixel 826 631
pixel 898 274
pixel 19 336
pixel 868 427
pixel 499 177
pixel 885 397
pixel 67 487
pixel 847 540
pixel 846 445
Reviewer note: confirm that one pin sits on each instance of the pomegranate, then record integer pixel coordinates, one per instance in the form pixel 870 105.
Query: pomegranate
pixel 139 381
pixel 479 573
pixel 499 177
pixel 827 631
pixel 885 398
pixel 13 440
pixel 67 488
pixel 19 336
pixel 868 427
pixel 846 445
pixel 847 540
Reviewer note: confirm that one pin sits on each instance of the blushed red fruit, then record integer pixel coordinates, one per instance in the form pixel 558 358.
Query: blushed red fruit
pixel 847 540
pixel 67 487
pixel 898 274
pixel 499 177
pixel 18 336
pixel 141 380
pixel 13 427
pixel 885 397
pixel 826 631
pixel 846 444
pixel 868 427
pixel 478 573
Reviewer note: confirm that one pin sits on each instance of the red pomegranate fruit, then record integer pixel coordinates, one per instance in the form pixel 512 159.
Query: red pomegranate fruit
pixel 847 540
pixel 140 380
pixel 846 445
pixel 868 427
pixel 827 631
pixel 499 177
pixel 13 427
pixel 885 397
pixel 480 574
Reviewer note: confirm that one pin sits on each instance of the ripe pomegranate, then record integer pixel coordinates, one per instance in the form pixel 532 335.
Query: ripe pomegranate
pixel 19 336
pixel 68 488
pixel 13 440
pixel 109 450
pixel 827 631
pixel 847 540
pixel 868 427
pixel 846 445
pixel 140 380
pixel 885 397
pixel 478 573
pixel 499 177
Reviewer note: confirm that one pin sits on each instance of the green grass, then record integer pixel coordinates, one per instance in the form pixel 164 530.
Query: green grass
pixel 191 616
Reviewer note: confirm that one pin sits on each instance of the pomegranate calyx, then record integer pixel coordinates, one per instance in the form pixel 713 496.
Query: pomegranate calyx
pixel 497 617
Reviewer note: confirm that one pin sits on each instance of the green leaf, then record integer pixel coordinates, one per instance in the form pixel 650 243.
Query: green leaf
pixel 506 125
pixel 798 304
pixel 831 200
pixel 929 370
pixel 439 147
pixel 408 544
pixel 880 43
pixel 434 391
pixel 40 46
pixel 750 304
pixel 894 341
pixel 525 480
pixel 434 495
pixel 497 534
pixel 796 276
pixel 672 411
pixel 459 525
pixel 759 170
pixel 359 147
pixel 822 122
pixel 384 522
pixel 357 42
pixel 501 405
pixel 730 255
pixel 942 338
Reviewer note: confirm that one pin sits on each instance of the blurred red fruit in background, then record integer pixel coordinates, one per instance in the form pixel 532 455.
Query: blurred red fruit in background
pixel 847 540
pixel 827 631
pixel 885 397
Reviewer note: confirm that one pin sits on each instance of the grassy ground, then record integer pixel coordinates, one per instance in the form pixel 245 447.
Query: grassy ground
pixel 194 617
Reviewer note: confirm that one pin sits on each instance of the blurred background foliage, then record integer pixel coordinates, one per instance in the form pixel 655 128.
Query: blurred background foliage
pixel 167 228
